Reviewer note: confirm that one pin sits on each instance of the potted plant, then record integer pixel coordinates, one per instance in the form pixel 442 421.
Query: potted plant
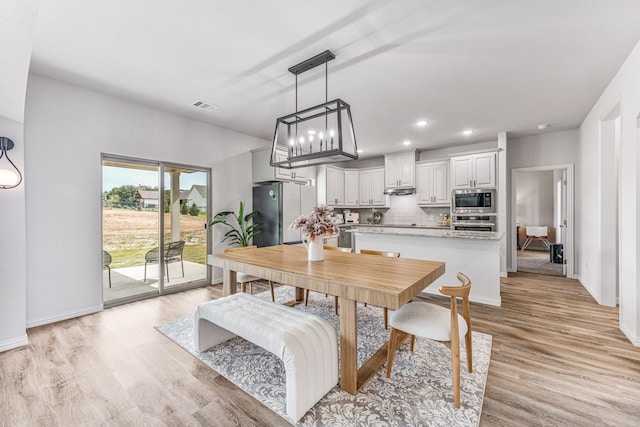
pixel 243 230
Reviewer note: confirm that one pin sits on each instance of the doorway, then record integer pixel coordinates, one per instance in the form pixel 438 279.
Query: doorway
pixel 542 220
pixel 145 203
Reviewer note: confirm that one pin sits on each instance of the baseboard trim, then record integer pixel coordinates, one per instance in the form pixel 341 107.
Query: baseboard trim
pixel 627 333
pixel 31 323
pixel 12 343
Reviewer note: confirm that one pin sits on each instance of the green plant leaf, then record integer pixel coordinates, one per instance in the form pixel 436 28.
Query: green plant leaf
pixel 244 231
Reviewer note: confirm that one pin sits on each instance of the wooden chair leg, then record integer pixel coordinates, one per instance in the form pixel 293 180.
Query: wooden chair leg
pixel 467 341
pixel 273 295
pixel 251 287
pixel 336 304
pixel 243 286
pixel 455 361
pixel 413 341
pixel 306 297
pixel 365 304
pixel 385 314
pixel 391 349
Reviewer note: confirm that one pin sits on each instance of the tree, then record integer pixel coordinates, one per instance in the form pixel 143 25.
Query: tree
pixel 125 194
pixel 193 210
pixel 184 209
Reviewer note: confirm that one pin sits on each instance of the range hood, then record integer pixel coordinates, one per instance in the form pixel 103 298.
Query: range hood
pixel 400 191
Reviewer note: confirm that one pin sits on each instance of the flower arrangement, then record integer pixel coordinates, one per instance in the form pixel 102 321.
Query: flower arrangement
pixel 317 223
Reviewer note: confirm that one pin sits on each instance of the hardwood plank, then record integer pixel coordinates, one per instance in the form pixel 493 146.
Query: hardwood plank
pixel 558 358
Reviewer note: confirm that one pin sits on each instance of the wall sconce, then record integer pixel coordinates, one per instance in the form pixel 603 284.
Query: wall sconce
pixel 10 176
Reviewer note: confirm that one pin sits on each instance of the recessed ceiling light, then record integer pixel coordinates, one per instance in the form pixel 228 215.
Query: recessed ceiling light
pixel 360 150
pixel 467 132
pixel 422 123
pixel 542 126
pixel 406 142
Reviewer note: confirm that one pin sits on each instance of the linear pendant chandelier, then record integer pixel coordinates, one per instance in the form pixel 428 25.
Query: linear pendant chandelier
pixel 318 135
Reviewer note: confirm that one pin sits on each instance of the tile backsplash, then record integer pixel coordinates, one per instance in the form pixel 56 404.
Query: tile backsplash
pixel 402 210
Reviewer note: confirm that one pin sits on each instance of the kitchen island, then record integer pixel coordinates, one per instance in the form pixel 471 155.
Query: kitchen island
pixel 476 254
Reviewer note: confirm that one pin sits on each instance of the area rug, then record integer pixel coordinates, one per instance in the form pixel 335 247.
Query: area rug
pixel 419 392
pixel 533 261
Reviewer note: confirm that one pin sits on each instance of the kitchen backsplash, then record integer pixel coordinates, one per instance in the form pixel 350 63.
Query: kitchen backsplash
pixel 403 211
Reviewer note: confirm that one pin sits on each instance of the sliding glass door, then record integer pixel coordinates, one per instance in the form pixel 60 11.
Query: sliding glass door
pixel 185 217
pixel 137 215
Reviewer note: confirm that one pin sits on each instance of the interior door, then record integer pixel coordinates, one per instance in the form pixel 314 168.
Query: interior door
pixel 563 216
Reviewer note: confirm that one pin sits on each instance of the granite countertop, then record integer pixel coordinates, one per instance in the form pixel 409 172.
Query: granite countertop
pixel 426 226
pixel 428 232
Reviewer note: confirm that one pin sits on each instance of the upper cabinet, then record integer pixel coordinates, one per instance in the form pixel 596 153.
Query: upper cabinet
pixel 372 187
pixel 262 171
pixel 400 170
pixel 330 185
pixel 473 171
pixel 351 188
pixel 432 183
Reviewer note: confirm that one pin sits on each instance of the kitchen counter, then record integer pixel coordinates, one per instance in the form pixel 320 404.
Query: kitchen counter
pixel 474 253
pixel 432 227
pixel 435 231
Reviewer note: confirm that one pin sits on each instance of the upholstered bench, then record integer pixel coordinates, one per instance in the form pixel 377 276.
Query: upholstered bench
pixel 307 344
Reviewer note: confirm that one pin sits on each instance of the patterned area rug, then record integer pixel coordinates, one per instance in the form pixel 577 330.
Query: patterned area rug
pixel 419 391
pixel 535 261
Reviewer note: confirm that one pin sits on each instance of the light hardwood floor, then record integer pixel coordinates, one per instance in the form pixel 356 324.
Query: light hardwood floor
pixel 558 359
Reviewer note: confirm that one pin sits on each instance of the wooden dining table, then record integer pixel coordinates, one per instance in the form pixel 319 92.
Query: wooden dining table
pixel 379 281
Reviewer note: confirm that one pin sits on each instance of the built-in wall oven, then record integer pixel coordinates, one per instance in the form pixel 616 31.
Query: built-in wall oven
pixel 474 201
pixel 474 222
pixel 474 210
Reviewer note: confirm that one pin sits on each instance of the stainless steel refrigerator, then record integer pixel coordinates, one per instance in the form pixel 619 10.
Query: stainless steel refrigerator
pixel 278 205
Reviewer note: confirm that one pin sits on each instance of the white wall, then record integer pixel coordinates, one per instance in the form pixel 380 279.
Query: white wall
pixel 623 92
pixel 67 129
pixel 534 194
pixel 232 184
pixel 17 22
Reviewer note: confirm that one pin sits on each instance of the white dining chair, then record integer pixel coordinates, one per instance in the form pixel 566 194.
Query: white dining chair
pixel 439 324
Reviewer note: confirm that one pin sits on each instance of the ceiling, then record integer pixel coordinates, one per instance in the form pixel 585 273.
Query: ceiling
pixel 485 65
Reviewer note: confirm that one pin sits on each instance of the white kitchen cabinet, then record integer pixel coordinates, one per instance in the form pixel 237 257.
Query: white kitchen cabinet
pixel 400 170
pixel 262 171
pixel 433 183
pixel 330 183
pixel 372 187
pixel 351 188
pixel 473 171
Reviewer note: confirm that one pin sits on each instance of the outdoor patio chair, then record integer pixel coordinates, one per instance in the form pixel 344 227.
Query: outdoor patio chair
pixel 106 262
pixel 172 253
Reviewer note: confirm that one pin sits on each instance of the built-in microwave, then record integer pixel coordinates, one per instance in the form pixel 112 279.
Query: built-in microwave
pixel 474 201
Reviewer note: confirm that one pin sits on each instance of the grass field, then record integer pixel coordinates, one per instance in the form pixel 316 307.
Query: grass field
pixel 129 234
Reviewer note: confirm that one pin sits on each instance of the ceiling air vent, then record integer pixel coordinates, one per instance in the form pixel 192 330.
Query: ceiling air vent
pixel 206 106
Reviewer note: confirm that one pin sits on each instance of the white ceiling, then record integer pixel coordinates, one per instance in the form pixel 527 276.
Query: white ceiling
pixel 488 65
